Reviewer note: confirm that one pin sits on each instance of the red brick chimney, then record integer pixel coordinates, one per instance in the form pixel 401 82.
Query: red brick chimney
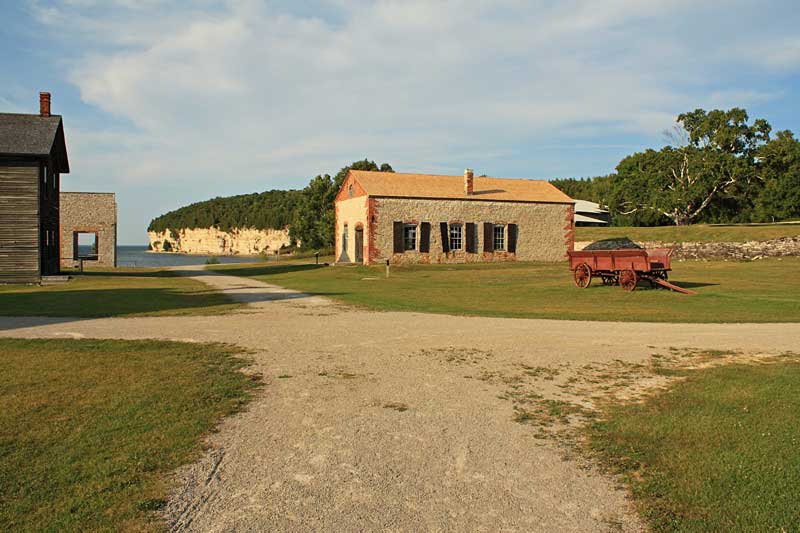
pixel 44 104
pixel 468 182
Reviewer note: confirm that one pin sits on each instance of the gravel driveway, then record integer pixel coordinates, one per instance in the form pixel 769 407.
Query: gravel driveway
pixel 384 420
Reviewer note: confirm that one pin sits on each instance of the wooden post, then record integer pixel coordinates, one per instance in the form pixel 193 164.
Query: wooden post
pixel 387 269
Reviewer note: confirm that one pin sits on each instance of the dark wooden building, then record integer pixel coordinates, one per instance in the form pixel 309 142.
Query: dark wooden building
pixel 33 155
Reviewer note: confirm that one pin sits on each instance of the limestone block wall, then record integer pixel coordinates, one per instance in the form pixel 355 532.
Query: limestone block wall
pixel 89 212
pixel 544 229
pixel 213 241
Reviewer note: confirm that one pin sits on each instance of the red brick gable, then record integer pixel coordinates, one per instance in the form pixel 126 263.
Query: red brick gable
pixel 344 191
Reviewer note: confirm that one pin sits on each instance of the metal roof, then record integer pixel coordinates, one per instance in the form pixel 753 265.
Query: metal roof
pixel 585 206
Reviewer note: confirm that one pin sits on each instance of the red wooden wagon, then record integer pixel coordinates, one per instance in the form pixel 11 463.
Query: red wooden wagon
pixel 623 267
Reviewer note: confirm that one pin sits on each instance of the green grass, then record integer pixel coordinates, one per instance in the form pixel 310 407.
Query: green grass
pixel 695 233
pixel 758 291
pixel 121 292
pixel 90 428
pixel 718 452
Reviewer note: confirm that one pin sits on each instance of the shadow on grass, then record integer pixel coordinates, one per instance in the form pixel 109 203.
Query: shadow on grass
pixel 692 284
pixel 645 285
pixel 105 302
pixel 124 273
pixel 261 270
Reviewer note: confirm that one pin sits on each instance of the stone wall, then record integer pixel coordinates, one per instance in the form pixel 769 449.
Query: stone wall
pixel 212 241
pixel 785 246
pixel 544 230
pixel 88 212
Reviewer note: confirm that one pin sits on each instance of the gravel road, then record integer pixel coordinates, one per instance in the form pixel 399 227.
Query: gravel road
pixel 384 420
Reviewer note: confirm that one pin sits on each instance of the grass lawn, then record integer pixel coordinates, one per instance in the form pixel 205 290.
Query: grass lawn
pixel 718 452
pixel 758 291
pixel 120 292
pixel 89 428
pixel 695 233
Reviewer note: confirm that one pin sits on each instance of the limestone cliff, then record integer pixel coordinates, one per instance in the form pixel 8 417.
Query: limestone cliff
pixel 212 241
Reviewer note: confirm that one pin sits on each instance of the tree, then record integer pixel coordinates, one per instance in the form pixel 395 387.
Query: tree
pixel 314 219
pixel 365 164
pixel 778 164
pixel 594 189
pixel 714 162
pixel 313 222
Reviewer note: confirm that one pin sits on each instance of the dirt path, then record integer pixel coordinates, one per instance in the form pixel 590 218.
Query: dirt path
pixel 375 420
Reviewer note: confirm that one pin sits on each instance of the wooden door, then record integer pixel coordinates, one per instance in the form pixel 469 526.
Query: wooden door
pixel 359 245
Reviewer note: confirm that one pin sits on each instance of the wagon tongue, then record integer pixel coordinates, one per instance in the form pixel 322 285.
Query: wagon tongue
pixel 667 284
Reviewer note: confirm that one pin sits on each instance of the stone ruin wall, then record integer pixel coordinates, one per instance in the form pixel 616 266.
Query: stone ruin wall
pixel 212 241
pixel 89 212
pixel 782 247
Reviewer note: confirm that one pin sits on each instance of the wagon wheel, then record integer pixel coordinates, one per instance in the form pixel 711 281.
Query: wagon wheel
pixel 583 275
pixel 628 280
pixel 609 280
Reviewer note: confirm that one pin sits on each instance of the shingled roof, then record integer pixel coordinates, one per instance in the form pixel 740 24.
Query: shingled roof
pixel 398 185
pixel 34 136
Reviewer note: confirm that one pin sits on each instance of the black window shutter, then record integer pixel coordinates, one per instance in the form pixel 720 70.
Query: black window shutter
pixel 512 238
pixel 425 237
pixel 398 237
pixel 488 237
pixel 445 237
pixel 471 246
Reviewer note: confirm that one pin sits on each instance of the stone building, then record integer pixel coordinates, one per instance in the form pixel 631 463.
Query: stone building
pixel 88 228
pixel 418 218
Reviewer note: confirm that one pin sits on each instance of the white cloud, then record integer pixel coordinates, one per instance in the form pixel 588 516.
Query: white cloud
pixel 227 93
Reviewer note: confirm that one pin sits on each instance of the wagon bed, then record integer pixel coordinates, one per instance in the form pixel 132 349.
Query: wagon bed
pixel 623 267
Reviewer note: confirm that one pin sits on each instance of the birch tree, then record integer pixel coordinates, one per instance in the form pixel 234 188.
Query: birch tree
pixel 714 158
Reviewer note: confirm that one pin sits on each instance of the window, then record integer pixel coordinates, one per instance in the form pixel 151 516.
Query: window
pixel 456 236
pixel 84 245
pixel 344 239
pixel 499 237
pixel 350 190
pixel 409 236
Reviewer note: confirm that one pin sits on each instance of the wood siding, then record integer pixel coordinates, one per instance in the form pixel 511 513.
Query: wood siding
pixel 19 221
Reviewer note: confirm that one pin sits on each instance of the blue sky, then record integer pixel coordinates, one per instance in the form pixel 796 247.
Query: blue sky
pixel 170 102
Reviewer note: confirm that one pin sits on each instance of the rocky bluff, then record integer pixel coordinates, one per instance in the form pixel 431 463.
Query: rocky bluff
pixel 212 241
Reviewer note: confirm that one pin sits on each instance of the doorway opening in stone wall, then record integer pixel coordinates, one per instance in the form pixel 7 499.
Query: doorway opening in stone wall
pixel 85 245
pixel 343 258
pixel 359 245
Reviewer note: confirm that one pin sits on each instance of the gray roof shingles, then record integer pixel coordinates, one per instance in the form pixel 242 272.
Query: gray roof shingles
pixel 29 135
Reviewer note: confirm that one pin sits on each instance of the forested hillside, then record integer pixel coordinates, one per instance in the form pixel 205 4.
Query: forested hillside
pixel 309 213
pixel 266 210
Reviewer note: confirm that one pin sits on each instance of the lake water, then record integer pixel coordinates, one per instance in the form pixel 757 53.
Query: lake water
pixel 138 256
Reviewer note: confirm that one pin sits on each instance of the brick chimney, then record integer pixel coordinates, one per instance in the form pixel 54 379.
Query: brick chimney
pixel 44 104
pixel 468 182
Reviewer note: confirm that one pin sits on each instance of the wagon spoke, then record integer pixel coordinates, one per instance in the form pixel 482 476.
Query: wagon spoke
pixel 583 275
pixel 628 280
